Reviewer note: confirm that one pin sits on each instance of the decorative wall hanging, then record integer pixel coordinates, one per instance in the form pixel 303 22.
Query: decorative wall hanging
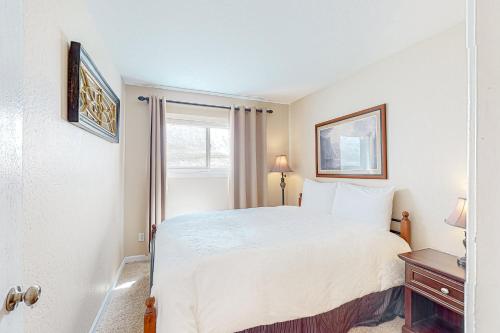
pixel 353 146
pixel 92 104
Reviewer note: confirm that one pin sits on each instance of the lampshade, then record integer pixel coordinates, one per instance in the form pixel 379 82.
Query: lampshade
pixel 458 217
pixel 281 164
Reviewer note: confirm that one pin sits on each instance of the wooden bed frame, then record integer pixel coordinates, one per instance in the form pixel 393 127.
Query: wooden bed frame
pixel 150 314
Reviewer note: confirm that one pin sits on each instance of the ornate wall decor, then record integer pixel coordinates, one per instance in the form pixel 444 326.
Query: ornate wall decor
pixel 92 105
pixel 353 146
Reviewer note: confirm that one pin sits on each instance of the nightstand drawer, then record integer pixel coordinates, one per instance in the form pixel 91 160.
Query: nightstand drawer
pixel 440 289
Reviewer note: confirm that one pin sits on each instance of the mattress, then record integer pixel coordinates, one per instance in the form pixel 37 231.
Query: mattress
pixel 232 270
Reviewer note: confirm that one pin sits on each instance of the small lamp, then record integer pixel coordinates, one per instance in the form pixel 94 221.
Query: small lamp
pixel 458 218
pixel 281 165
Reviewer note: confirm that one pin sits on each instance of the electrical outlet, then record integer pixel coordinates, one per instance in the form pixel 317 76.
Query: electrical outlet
pixel 140 237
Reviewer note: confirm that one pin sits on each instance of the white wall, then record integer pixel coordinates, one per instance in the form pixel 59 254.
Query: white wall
pixel 72 202
pixel 11 115
pixel 196 194
pixel 487 170
pixel 184 195
pixel 425 89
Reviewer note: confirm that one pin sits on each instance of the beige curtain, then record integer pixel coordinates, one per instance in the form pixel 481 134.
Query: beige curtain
pixel 248 176
pixel 157 162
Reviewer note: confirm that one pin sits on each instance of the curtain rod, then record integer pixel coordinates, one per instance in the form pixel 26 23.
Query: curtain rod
pixel 142 99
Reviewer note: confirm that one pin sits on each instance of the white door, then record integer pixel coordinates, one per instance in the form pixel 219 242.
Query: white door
pixel 11 121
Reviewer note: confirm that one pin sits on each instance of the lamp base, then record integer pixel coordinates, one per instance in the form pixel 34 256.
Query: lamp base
pixel 461 261
pixel 282 185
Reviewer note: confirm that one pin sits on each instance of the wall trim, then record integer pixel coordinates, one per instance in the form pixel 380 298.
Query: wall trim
pixel 132 82
pixel 107 297
pixel 470 284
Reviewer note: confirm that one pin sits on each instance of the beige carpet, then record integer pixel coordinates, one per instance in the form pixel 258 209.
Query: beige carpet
pixel 125 309
pixel 389 327
pixel 126 305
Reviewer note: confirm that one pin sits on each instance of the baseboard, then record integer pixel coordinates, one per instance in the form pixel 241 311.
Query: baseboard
pixel 105 301
pixel 135 258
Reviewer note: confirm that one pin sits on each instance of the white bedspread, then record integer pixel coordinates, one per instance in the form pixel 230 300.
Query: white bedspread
pixel 231 270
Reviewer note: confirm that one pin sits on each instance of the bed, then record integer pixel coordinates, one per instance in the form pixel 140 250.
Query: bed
pixel 273 269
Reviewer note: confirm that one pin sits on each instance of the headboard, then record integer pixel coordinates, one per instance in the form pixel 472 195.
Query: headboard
pixel 404 224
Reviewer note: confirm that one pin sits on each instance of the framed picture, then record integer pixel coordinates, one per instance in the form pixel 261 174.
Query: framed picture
pixel 92 104
pixel 353 146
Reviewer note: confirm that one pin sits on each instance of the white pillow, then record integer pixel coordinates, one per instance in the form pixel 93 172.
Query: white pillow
pixel 318 197
pixel 367 206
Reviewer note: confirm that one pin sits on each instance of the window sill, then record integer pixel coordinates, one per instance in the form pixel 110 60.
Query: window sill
pixel 197 173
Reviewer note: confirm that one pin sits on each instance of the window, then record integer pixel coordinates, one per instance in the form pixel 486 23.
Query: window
pixel 219 147
pixel 197 147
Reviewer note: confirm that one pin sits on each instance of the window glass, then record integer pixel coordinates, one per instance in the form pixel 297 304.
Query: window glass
pixel 219 148
pixel 186 146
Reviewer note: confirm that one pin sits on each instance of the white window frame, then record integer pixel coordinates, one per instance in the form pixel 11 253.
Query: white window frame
pixel 207 123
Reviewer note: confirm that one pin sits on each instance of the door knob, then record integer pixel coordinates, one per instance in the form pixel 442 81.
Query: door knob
pixel 32 294
pixel 16 295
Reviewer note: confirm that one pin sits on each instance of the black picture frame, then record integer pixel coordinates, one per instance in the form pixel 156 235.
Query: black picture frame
pixel 101 97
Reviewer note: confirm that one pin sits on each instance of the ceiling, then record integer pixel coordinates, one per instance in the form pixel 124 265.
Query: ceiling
pixel 276 50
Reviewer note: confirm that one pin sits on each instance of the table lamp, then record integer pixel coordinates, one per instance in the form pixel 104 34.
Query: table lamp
pixel 281 165
pixel 458 218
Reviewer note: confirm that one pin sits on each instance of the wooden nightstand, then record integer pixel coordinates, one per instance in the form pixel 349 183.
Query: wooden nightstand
pixel 434 292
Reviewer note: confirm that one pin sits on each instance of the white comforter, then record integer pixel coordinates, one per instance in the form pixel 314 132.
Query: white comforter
pixel 231 270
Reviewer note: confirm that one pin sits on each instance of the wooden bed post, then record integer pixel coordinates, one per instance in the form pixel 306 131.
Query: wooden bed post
pixel 405 228
pixel 153 231
pixel 150 316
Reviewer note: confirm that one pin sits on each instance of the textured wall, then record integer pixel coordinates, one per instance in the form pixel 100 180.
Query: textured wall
pixel 72 179
pixel 136 156
pixel 11 39
pixel 425 88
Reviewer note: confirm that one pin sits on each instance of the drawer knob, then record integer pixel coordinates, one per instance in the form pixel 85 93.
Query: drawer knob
pixel 445 291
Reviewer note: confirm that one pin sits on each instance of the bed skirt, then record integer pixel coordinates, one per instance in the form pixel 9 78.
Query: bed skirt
pixel 369 310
